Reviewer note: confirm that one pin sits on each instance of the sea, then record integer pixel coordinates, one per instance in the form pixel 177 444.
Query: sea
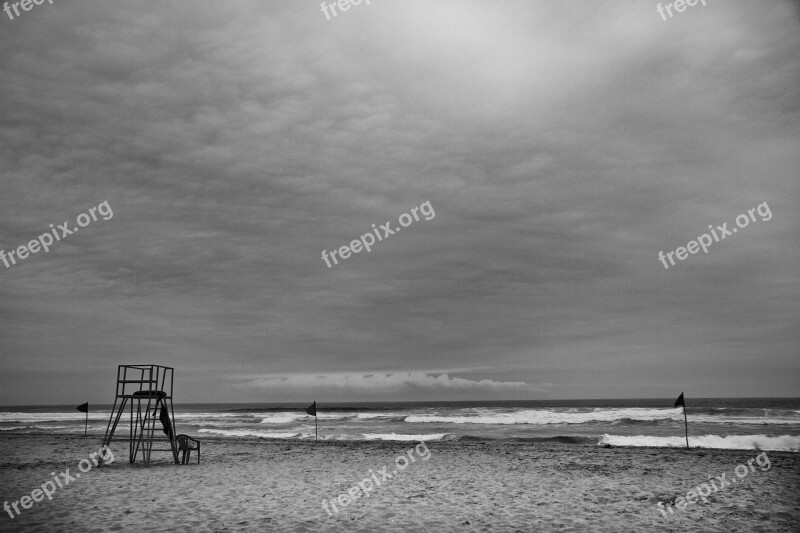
pixel 731 423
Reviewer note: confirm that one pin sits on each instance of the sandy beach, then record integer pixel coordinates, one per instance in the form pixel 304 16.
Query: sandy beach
pixel 260 485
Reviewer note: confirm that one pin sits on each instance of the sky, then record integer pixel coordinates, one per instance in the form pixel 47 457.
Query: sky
pixel 556 148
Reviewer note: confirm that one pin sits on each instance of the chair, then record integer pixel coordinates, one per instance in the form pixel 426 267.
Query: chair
pixel 186 444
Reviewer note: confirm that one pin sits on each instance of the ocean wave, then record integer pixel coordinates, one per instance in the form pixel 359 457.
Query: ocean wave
pixel 253 433
pixel 36 427
pixel 283 418
pixel 189 414
pixel 6 417
pixel 397 437
pixel 288 418
pixel 635 422
pixel 560 439
pixel 550 416
pixel 373 416
pixel 730 442
pixel 98 416
pixel 576 416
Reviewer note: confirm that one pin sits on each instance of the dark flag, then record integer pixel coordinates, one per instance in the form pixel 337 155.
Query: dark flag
pixel 83 408
pixel 312 409
pixel 167 426
pixel 680 401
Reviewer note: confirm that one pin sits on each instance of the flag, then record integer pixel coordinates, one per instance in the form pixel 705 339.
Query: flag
pixel 83 408
pixel 679 401
pixel 312 409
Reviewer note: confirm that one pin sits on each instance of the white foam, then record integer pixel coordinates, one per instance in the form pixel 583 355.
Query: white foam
pixel 39 427
pixel 251 433
pixel 574 416
pixel 289 417
pixel 49 416
pixel 189 414
pixel 397 437
pixel 370 416
pixel 283 418
pixel 549 416
pixel 731 442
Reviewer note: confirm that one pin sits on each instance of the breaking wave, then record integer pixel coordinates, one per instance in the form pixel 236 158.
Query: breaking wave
pixel 789 443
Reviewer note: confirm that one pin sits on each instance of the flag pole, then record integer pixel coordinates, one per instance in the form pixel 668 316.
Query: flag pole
pixel 84 408
pixel 312 410
pixel 686 425
pixel 681 401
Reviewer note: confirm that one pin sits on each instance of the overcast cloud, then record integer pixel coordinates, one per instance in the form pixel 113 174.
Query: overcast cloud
pixel 562 145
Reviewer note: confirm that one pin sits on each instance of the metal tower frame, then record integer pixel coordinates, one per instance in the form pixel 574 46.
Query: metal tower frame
pixel 148 390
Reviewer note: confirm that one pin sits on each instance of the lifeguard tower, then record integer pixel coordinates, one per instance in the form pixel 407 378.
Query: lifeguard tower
pixel 148 391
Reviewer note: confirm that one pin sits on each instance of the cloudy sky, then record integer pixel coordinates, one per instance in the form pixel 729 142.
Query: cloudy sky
pixel 561 146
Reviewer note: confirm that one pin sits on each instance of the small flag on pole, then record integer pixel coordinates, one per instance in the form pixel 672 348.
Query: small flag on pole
pixel 84 408
pixel 678 402
pixel 312 410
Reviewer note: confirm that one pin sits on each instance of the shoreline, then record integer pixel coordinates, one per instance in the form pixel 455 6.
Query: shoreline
pixel 591 441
